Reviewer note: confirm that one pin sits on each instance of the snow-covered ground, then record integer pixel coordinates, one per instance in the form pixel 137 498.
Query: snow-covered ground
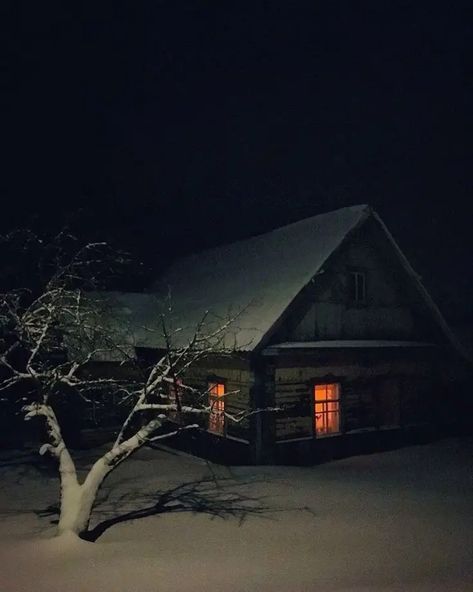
pixel 396 521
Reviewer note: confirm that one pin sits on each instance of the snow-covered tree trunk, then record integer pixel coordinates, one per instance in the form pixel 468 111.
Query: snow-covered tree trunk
pixel 49 342
pixel 77 500
pixel 70 490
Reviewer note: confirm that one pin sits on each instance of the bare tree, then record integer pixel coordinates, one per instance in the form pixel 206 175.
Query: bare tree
pixel 49 341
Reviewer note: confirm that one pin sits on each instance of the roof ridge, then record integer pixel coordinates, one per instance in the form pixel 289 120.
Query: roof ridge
pixel 208 250
pixel 260 275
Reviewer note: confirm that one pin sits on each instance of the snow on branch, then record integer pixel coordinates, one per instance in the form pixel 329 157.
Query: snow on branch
pixel 52 342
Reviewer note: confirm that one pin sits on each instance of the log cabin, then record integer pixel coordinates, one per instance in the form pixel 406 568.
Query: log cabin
pixel 332 327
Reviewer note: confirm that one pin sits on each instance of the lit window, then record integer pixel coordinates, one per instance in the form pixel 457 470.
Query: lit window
pixel 357 286
pixel 326 409
pixel 217 407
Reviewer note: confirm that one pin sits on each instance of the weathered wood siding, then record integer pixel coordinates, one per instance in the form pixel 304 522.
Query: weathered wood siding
pixel 292 396
pixel 237 376
pixel 376 392
pixel 392 310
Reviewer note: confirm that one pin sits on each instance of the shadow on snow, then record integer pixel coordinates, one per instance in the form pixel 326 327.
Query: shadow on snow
pixel 219 498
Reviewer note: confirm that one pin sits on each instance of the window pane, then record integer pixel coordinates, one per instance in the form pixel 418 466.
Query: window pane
pixel 217 407
pixel 357 286
pixel 319 423
pixel 332 391
pixel 321 392
pixel 360 295
pixel 333 421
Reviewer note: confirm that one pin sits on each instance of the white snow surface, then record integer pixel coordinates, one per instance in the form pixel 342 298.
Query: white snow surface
pixel 394 521
pixel 256 278
pixel 345 343
pixel 251 281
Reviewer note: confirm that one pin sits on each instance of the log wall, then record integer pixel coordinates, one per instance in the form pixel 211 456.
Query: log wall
pixel 375 394
pixel 238 379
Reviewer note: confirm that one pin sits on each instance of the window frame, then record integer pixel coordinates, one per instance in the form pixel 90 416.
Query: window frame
pixel 329 380
pixel 354 298
pixel 216 381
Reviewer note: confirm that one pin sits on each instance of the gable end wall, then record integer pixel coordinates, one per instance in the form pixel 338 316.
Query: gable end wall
pixel 392 309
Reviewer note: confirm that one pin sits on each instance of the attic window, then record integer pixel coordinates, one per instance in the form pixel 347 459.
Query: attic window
pixel 326 409
pixel 216 392
pixel 357 286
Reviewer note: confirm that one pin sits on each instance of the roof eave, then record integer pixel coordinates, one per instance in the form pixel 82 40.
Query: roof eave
pixel 426 297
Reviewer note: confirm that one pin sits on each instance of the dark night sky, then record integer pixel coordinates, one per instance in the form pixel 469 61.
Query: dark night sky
pixel 174 125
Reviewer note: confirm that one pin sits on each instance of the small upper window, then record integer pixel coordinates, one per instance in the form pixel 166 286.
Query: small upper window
pixel 357 286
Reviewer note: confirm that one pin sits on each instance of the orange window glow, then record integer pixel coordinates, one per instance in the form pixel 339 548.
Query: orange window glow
pixel 327 409
pixel 217 407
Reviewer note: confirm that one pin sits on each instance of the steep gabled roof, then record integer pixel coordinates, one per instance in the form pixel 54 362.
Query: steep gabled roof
pixel 252 281
pixel 255 279
pixel 424 294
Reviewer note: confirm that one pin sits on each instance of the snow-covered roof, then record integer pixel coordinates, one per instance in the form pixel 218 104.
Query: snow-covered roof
pixel 254 279
pixel 252 282
pixel 342 344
